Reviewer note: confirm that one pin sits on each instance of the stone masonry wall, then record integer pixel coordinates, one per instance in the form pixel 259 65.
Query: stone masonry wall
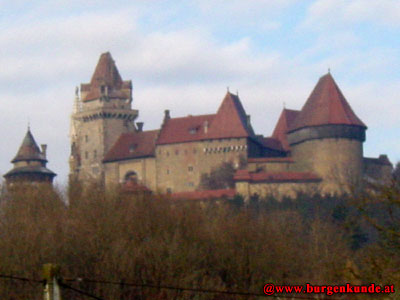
pixel 179 166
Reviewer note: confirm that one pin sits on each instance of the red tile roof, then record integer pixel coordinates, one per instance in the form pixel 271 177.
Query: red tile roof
pixel 270 159
pixel 207 194
pixel 186 129
pixel 29 150
pixel 106 74
pixel 286 120
pixel 229 122
pixel 134 187
pixel 381 160
pixel 133 145
pixel 326 105
pixel 272 177
pixel 272 143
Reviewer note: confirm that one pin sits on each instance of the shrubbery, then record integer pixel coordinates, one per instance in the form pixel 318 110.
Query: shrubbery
pixel 151 239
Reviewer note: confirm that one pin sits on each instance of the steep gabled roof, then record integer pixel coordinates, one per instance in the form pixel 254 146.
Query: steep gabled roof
pixel 326 106
pixel 106 74
pixel 286 120
pixel 133 145
pixel 29 150
pixel 230 120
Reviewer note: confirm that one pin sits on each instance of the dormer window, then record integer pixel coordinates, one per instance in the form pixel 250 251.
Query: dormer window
pixel 193 130
pixel 104 90
pixel 132 148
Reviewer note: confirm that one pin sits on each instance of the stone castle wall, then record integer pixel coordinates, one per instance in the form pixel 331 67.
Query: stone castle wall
pixel 179 166
pixel 338 161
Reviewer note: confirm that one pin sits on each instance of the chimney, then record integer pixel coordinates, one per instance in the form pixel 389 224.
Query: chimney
pixel 205 126
pixel 44 149
pixel 166 114
pixel 139 126
pixel 248 121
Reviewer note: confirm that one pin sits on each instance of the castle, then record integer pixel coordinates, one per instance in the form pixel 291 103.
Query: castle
pixel 319 147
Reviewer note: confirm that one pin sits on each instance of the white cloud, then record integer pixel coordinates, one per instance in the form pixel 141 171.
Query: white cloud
pixel 341 13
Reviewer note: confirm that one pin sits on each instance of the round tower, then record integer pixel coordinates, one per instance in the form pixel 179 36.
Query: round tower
pixel 327 138
pixel 29 164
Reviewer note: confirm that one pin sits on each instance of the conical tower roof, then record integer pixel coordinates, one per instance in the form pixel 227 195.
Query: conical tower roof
pixel 106 73
pixel 29 150
pixel 107 81
pixel 326 106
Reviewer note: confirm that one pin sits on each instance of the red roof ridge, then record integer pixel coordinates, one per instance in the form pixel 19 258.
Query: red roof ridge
pixel 276 177
pixel 192 116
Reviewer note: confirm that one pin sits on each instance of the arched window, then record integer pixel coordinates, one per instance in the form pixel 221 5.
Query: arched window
pixel 131 176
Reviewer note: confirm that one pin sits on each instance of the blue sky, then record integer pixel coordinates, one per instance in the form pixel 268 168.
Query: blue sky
pixel 182 55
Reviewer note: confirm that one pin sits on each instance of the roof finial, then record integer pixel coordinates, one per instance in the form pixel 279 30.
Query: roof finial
pixel 227 88
pixel 329 70
pixel 29 124
pixel 237 93
pixel 284 105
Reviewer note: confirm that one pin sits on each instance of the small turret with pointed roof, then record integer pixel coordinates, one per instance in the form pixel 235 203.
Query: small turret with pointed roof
pixel 29 150
pixel 30 163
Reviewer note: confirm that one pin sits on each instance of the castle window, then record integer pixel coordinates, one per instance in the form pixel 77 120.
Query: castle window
pixel 176 152
pixel 191 184
pixel 169 191
pixel 193 130
pixel 167 153
pixel 194 151
pixel 86 154
pixel 190 168
pixel 131 176
pixel 132 148
pixel 168 171
pixel 86 138
pixel 186 152
pixel 95 153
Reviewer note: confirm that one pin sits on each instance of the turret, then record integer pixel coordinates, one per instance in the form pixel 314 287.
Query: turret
pixel 327 138
pixel 30 164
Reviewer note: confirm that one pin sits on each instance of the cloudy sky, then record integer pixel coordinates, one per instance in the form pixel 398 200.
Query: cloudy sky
pixel 182 56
